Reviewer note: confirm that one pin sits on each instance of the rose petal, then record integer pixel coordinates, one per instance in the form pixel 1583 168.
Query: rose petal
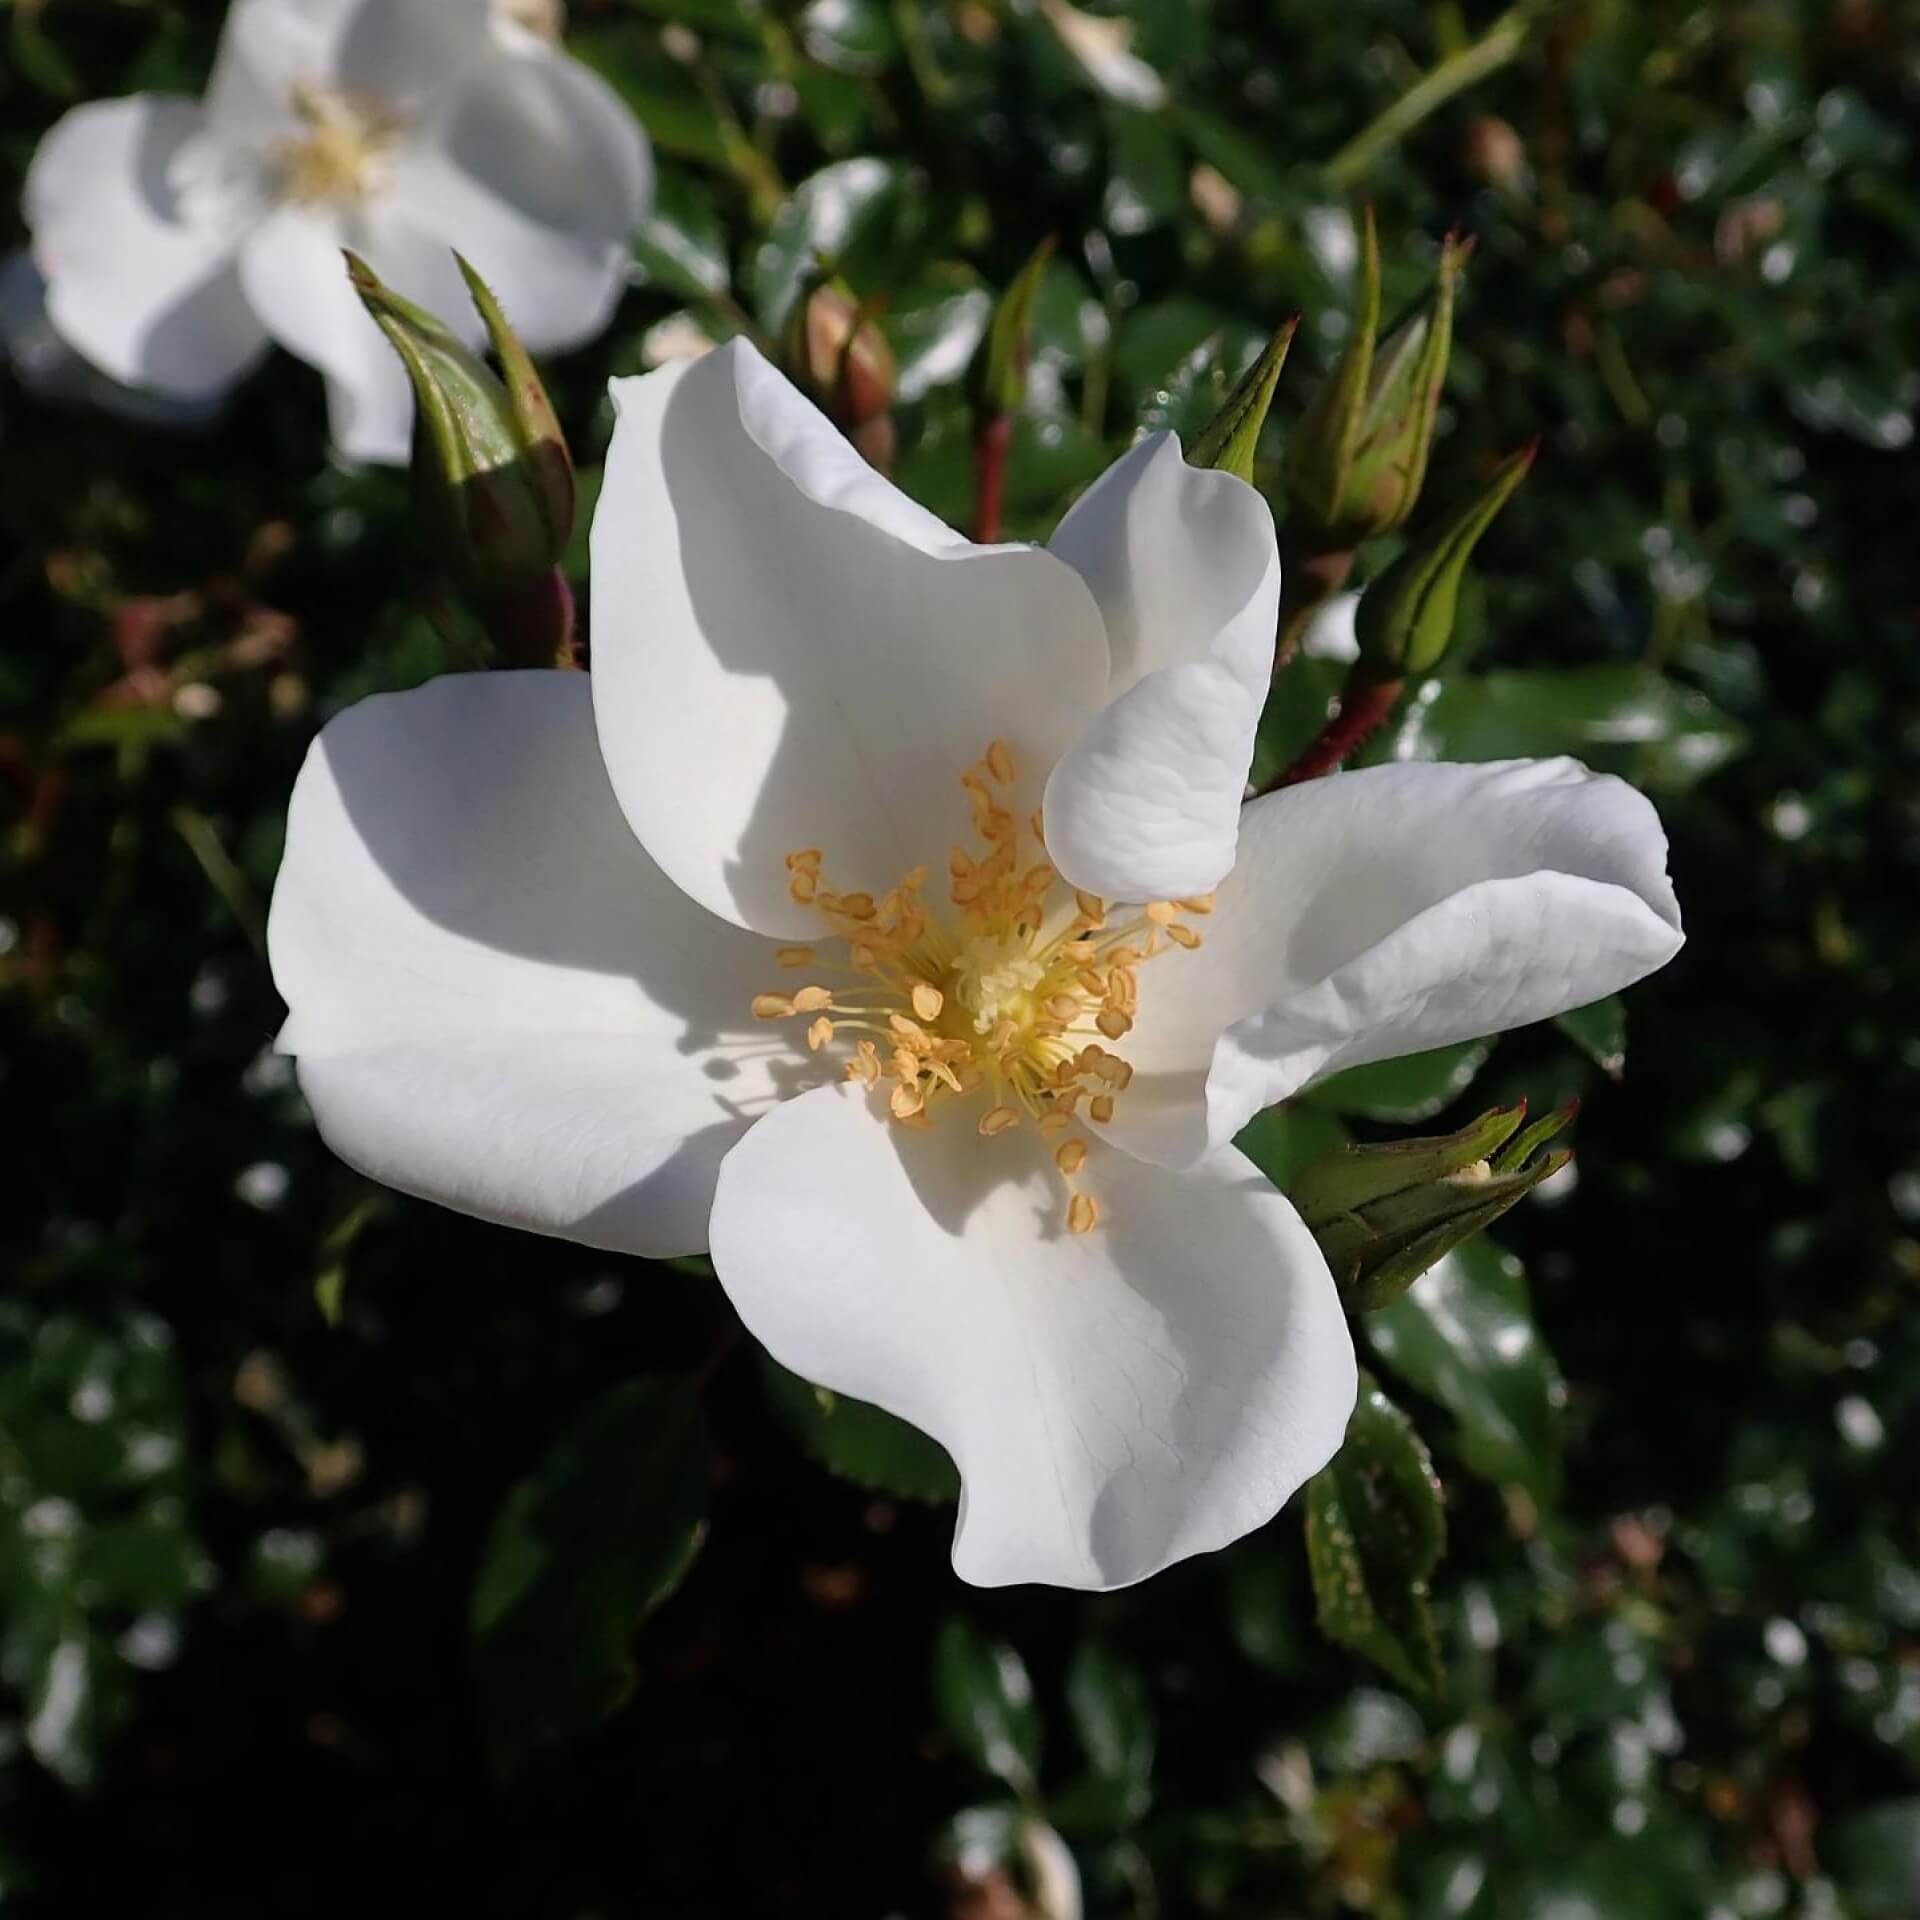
pixel 143 292
pixel 789 653
pixel 497 1000
pixel 1115 1400
pixel 1183 564
pixel 1384 912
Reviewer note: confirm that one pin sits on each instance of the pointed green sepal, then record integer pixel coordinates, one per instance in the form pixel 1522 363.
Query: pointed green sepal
pixel 1385 1214
pixel 1406 617
pixel 1228 440
pixel 998 379
pixel 492 475
pixel 1359 458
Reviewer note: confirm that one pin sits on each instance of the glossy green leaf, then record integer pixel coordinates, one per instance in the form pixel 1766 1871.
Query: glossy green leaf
pixel 1627 720
pixel 861 1443
pixel 1112 1713
pixel 1464 1335
pixel 582 1551
pixel 825 219
pixel 1376 1527
pixel 681 247
pixel 1285 1140
pixel 1414 1087
pixel 985 1701
pixel 1600 1032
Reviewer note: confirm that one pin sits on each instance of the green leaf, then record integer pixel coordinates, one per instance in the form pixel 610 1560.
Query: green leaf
pixel 1112 1712
pixel 1376 1526
pixel 1600 1032
pixel 1414 1087
pixel 1464 1335
pixel 985 1701
pixel 681 247
pixel 1622 719
pixel 824 219
pixel 583 1550
pixel 1285 1140
pixel 860 1442
pixel 1875 1856
pixel 934 328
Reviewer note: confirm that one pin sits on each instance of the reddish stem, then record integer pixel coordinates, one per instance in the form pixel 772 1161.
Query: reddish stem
pixel 991 445
pixel 1364 707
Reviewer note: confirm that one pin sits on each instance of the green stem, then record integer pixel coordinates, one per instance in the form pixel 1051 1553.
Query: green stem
pixel 223 875
pixel 1500 43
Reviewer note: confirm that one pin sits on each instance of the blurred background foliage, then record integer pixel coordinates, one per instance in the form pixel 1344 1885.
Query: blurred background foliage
pixel 329 1522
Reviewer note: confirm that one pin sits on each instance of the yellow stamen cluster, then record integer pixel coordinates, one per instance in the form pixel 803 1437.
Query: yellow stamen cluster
pixel 1006 1004
pixel 336 159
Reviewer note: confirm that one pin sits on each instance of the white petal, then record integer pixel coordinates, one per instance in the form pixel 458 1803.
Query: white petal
pixel 1115 1401
pixel 1384 912
pixel 410 50
pixel 1183 563
pixel 497 1000
pixel 1333 633
pixel 145 294
pixel 538 173
pixel 294 275
pixel 787 652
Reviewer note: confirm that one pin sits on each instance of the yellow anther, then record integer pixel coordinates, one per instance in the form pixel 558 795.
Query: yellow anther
pixel 1037 826
pixel 1100 1108
pixel 1113 1023
pixel 865 959
pixel 906 1101
pixel 865 1065
pixel 1040 877
pixel 857 906
pixel 813 999
pixel 1183 936
pixel 1111 1070
pixel 916 878
pixel 927 1000
pixel 1094 983
pixel 804 885
pixel 1200 903
pixel 1063 1006
pixel 807 860
pixel 910 1031
pixel 1000 762
pixel 1053 1121
pixel 1083 1215
pixel 772 1006
pixel 1160 912
pixel 1071 1157
pixel 1091 906
pixel 819 1034
pixel 796 956
pixel 998 1120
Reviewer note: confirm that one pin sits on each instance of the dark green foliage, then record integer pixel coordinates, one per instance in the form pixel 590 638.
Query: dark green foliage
pixel 242 1530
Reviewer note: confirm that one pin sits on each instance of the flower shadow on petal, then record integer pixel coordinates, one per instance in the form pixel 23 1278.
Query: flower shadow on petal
pixel 775 672
pixel 525 908
pixel 1163 1387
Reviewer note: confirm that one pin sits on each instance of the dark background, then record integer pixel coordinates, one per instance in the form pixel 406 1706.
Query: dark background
pixel 257 1422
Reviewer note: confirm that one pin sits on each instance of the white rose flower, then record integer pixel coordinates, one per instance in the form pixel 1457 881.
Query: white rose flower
pixel 751 941
pixel 179 238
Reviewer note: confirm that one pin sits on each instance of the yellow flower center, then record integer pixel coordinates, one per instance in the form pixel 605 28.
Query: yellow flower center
pixel 337 158
pixel 1008 1008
